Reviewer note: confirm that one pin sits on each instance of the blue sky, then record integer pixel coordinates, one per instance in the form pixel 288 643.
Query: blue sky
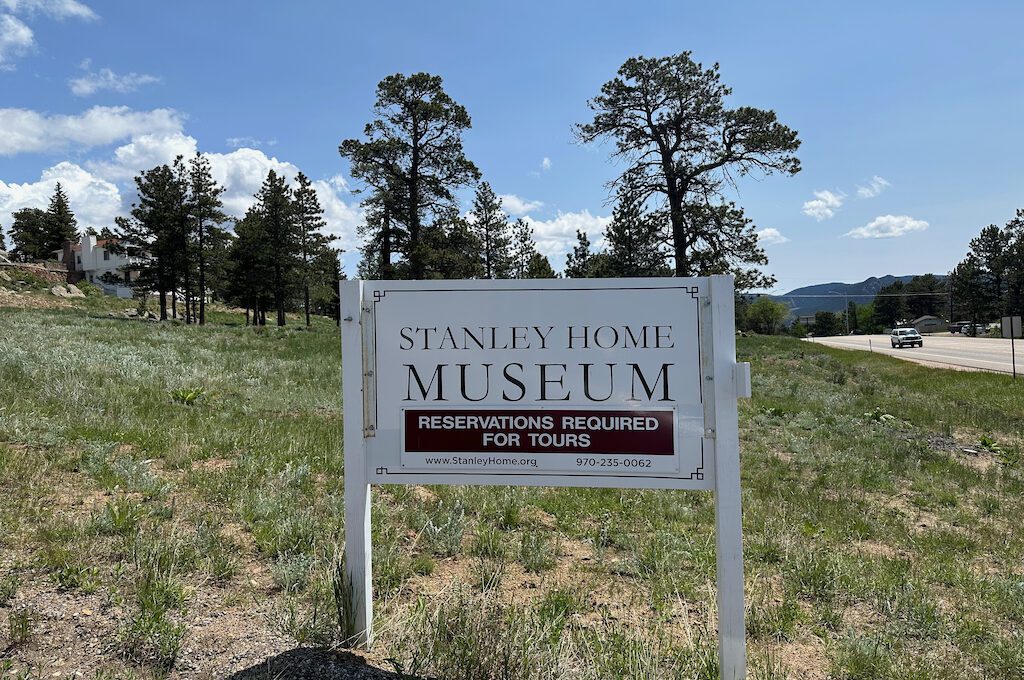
pixel 910 113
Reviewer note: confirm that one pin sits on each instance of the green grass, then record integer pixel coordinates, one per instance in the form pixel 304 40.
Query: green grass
pixel 875 547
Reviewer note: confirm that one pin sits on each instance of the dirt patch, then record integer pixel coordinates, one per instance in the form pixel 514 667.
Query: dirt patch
pixel 16 300
pixel 213 465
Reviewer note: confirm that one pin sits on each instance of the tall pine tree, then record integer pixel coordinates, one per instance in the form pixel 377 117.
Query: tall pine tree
pixel 312 243
pixel 277 214
pixel 207 214
pixel 491 228
pixel 412 154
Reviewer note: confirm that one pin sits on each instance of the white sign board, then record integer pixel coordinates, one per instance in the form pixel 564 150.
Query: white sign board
pixel 627 383
pixel 1011 327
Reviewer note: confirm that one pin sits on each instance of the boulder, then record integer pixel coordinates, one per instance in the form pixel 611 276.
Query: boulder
pixel 4 276
pixel 131 312
pixel 75 291
pixel 60 291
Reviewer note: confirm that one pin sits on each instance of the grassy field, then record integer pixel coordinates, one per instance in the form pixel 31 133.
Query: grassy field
pixel 172 504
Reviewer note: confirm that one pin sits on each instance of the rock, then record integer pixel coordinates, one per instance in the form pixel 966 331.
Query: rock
pixel 75 291
pixel 4 276
pixel 131 312
pixel 60 291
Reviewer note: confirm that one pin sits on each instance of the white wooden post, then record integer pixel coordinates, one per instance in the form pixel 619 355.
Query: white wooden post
pixel 357 489
pixel 732 651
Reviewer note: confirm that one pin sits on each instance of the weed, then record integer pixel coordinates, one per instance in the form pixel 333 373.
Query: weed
pixel 153 638
pixel 21 625
pixel 120 516
pixel 535 552
pixel 488 542
pixel 443 532
pixel 187 395
pixel 8 587
pixel 291 572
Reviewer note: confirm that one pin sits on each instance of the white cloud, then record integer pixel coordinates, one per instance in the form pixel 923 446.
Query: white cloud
pixel 56 9
pixel 105 79
pixel 95 201
pixel 888 226
pixel 241 172
pixel 545 164
pixel 770 237
pixel 25 131
pixel 15 40
pixel 556 237
pixel 251 142
pixel 876 186
pixel 513 205
pixel 824 205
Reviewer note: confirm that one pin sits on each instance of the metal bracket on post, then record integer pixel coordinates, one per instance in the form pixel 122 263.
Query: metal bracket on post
pixel 741 376
pixel 358 545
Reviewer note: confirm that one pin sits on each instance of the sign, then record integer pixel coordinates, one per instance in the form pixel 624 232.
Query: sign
pixel 624 383
pixel 1011 327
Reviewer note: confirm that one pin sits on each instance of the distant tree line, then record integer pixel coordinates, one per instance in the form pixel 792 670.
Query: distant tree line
pixel 276 258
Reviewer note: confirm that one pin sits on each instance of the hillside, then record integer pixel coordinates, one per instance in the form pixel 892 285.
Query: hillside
pixel 832 297
pixel 173 505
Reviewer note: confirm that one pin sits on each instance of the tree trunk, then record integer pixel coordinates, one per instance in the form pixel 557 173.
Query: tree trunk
pixel 247 313
pixel 279 293
pixel 307 304
pixel 163 305
pixel 202 277
pixel 415 253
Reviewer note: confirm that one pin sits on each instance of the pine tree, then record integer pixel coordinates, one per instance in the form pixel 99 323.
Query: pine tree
pixel 635 246
pixel 251 268
pixel 156 231
pixel 453 250
pixel 413 157
pixel 29 234
pixel 577 263
pixel 62 225
pixel 277 214
pixel 491 228
pixel 312 244
pixel 539 268
pixel 522 249
pixel 3 243
pixel 206 213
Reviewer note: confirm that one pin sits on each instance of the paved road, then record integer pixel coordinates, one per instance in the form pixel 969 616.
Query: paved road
pixel 954 351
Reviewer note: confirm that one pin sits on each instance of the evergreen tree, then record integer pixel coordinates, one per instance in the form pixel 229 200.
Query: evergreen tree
pixel 251 267
pixel 970 289
pixel 29 234
pixel 38 234
pixel 62 225
pixel 890 305
pixel 926 295
pixel 413 160
pixel 683 147
pixel 3 243
pixel 522 250
pixel 577 262
pixel 634 242
pixel 156 231
pixel 453 250
pixel 540 268
pixel 206 212
pixel 491 228
pixel 277 215
pixel 312 244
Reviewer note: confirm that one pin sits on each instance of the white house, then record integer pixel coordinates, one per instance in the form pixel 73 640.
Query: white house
pixel 92 260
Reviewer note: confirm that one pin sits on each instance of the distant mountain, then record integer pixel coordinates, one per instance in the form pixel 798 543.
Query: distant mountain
pixel 832 297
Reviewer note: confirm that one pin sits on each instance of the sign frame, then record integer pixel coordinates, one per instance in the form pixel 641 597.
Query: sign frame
pixel 723 382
